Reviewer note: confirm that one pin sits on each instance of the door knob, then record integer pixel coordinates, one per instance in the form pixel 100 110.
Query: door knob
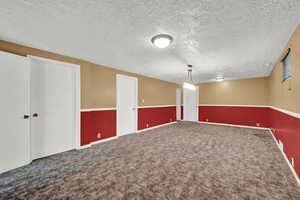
pixel 26 116
pixel 35 115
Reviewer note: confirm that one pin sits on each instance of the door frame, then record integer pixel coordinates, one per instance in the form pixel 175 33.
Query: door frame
pixel 197 104
pixel 77 97
pixel 136 101
pixel 178 104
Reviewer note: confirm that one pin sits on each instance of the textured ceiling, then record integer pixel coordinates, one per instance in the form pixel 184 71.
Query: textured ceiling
pixel 233 38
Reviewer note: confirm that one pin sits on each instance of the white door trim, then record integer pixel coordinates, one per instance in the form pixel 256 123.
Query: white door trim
pixel 136 101
pixel 178 104
pixel 77 94
pixel 197 103
pixel 54 61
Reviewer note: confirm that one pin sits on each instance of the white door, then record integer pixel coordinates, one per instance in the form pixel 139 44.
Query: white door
pixel 190 104
pixel 14 106
pixel 178 103
pixel 126 105
pixel 52 107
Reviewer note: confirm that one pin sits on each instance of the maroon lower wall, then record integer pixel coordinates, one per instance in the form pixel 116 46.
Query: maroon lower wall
pixel 285 128
pixel 95 122
pixel 154 116
pixel 239 115
pixel 104 122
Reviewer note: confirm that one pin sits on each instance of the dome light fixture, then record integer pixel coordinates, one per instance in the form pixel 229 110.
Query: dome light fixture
pixel 220 79
pixel 162 40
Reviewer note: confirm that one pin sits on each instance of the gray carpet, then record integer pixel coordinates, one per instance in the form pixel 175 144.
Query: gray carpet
pixel 180 161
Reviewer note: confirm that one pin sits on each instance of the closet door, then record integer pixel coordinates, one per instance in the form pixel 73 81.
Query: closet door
pixel 52 108
pixel 14 107
pixel 126 104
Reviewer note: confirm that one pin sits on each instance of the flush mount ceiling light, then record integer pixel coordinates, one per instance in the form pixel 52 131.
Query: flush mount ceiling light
pixel 189 84
pixel 219 79
pixel 162 40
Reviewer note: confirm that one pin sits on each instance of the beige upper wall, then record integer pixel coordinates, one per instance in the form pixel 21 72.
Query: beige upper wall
pixel 286 95
pixel 261 91
pixel 98 83
pixel 252 91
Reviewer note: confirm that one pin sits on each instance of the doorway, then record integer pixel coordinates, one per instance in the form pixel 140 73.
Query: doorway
pixel 190 104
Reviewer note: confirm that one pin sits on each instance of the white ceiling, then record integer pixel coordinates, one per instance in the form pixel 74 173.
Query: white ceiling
pixel 233 38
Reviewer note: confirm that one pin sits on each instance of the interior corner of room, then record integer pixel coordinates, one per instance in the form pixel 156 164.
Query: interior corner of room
pixel 58 107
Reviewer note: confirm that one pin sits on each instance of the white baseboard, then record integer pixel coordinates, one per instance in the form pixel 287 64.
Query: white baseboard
pixel 84 146
pixel 104 140
pixel 154 127
pixel 241 126
pixel 115 137
pixel 97 142
pixel 285 157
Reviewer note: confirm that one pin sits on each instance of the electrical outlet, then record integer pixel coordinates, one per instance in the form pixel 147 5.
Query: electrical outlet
pixel 147 125
pixel 206 120
pixel 98 135
pixel 258 124
pixel 293 162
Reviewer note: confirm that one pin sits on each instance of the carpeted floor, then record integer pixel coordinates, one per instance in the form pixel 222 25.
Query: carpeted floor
pixel 180 161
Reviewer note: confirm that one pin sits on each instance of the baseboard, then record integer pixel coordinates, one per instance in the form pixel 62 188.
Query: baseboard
pixel 285 157
pixel 104 140
pixel 115 137
pixel 97 142
pixel 154 127
pixel 84 146
pixel 233 125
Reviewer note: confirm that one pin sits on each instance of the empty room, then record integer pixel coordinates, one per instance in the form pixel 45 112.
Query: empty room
pixel 150 100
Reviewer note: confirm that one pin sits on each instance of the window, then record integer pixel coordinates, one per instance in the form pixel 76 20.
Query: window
pixel 287 66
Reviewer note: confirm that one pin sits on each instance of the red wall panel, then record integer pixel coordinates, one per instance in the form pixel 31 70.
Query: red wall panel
pixel 286 128
pixel 104 122
pixel 155 116
pixel 247 116
pixel 86 127
pixel 94 122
